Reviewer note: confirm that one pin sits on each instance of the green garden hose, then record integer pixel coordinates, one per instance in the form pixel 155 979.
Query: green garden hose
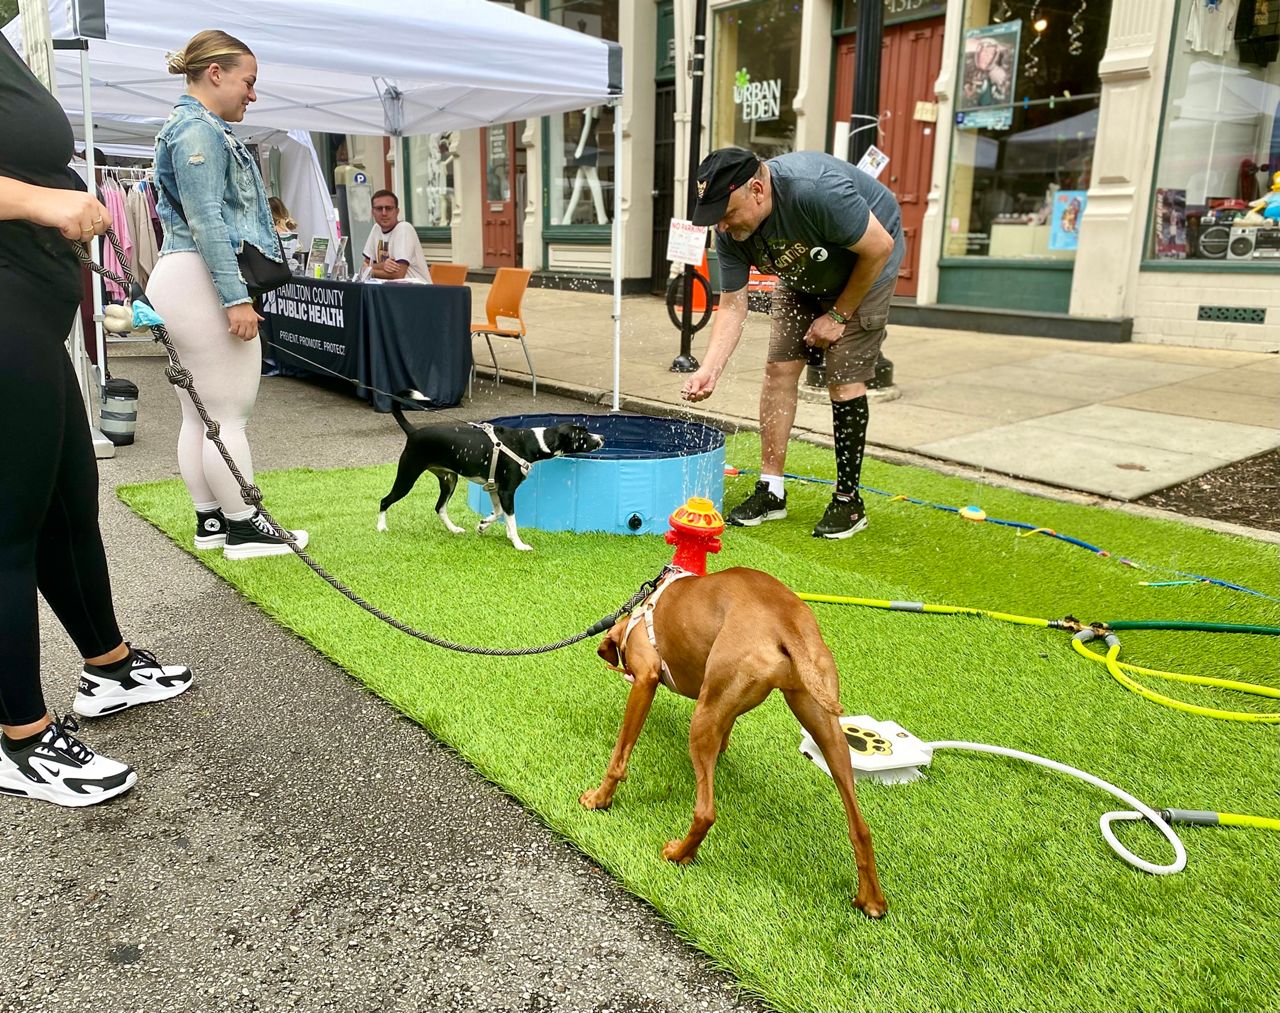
pixel 1118 670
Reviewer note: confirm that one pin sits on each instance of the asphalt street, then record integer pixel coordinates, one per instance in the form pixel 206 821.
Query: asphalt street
pixel 293 842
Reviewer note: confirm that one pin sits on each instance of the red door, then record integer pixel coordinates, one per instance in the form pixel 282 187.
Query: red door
pixel 499 196
pixel 911 59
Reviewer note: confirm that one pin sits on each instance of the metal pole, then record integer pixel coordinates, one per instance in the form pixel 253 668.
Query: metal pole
pixel 866 77
pixel 685 362
pixel 90 388
pixel 617 251
pixel 95 246
pixel 863 133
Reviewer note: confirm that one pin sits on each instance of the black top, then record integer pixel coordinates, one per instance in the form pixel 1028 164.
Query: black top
pixel 36 145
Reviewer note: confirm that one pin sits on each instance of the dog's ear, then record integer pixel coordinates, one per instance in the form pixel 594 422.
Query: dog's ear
pixel 608 648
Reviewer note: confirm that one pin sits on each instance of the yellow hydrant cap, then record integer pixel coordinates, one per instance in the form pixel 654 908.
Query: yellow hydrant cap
pixel 698 512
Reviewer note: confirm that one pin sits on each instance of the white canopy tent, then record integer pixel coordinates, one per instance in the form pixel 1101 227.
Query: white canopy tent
pixel 342 66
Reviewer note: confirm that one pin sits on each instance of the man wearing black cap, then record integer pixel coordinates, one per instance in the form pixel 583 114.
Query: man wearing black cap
pixel 833 236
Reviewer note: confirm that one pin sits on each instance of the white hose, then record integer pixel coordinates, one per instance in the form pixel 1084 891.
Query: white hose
pixel 1104 824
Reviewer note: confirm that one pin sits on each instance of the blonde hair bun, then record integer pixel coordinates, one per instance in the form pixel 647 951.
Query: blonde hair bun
pixel 206 48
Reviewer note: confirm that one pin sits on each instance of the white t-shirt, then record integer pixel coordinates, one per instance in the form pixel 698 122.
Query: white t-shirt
pixel 1210 26
pixel 401 243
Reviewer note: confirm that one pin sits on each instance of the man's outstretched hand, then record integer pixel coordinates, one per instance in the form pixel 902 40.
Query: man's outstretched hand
pixel 700 386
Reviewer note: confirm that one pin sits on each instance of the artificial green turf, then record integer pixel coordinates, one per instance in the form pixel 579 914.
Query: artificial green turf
pixel 1002 893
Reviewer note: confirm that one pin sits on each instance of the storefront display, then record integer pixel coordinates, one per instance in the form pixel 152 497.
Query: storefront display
pixel 429 162
pixel 1025 125
pixel 756 68
pixel 1220 143
pixel 580 155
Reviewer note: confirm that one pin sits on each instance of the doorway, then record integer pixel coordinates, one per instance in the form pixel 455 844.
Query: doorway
pixel 910 61
pixel 664 183
pixel 499 216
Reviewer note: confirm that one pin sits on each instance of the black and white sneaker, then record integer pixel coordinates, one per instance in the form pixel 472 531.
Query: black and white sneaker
pixel 211 529
pixel 845 516
pixel 140 678
pixel 60 768
pixel 253 537
pixel 760 506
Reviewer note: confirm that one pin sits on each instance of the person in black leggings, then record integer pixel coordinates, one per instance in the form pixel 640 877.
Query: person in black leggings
pixel 49 536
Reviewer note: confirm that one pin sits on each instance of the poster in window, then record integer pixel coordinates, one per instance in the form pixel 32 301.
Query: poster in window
pixel 1068 210
pixel 990 66
pixel 1171 224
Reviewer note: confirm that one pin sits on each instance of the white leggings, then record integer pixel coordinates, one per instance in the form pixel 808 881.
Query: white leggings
pixel 226 372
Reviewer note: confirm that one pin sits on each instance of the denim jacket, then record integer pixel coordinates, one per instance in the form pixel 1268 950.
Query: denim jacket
pixel 202 164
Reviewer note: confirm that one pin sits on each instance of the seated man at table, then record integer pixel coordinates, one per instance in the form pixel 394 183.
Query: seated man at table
pixel 393 251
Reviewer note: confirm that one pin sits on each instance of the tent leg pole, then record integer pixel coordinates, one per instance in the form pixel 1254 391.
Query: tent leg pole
pixel 617 252
pixel 91 383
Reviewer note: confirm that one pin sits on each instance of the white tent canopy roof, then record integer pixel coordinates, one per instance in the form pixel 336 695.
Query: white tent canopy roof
pixel 345 66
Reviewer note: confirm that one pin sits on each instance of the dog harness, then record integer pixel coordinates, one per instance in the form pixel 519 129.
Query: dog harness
pixel 645 612
pixel 501 448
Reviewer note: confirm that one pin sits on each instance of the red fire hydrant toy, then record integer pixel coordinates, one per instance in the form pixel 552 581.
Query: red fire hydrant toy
pixel 694 530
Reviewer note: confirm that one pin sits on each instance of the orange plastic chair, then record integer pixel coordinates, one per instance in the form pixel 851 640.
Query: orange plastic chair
pixel 504 301
pixel 448 274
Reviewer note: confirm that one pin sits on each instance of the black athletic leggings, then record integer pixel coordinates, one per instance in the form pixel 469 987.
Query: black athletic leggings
pixel 49 537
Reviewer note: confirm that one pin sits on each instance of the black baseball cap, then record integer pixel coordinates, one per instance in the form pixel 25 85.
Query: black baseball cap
pixel 720 173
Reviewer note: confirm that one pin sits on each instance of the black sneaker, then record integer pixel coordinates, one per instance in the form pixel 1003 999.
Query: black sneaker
pixel 253 537
pixel 60 768
pixel 760 506
pixel 140 678
pixel 211 529
pixel 844 517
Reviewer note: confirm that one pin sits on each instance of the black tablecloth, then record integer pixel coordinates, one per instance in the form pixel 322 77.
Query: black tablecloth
pixel 392 337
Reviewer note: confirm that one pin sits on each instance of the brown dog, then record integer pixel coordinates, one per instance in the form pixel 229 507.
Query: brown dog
pixel 727 640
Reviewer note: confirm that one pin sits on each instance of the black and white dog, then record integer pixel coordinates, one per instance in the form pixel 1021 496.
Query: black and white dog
pixel 496 457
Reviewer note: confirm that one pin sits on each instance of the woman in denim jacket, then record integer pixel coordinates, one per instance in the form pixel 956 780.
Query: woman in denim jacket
pixel 211 202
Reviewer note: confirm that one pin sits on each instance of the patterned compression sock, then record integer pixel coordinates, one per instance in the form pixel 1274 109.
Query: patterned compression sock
pixel 850 423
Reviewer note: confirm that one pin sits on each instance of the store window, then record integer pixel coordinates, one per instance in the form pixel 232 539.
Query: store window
pixel 580 143
pixel 1217 193
pixel 1026 120
pixel 756 63
pixel 429 162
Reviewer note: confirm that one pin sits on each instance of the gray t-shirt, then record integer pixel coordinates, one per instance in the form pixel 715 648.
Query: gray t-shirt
pixel 821 206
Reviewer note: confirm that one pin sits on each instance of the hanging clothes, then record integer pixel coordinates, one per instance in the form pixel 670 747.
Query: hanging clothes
pixel 150 191
pixel 113 198
pixel 145 249
pixel 1211 25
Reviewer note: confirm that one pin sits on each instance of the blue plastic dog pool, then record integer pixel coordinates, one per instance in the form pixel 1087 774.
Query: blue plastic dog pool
pixel 647 467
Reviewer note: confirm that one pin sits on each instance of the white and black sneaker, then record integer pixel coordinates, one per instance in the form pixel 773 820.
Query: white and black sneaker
pixel 211 529
pixel 139 678
pixel 253 537
pixel 59 768
pixel 760 506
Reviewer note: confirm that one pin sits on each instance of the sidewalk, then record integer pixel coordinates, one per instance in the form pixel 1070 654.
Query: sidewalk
pixel 1118 420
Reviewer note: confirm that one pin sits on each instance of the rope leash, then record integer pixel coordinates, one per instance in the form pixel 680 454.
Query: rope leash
pixel 181 377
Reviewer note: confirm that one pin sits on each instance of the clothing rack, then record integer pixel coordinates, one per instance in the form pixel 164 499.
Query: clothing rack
pixel 123 173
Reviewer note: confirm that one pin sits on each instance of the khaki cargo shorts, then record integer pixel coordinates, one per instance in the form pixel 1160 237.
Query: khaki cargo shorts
pixel 853 357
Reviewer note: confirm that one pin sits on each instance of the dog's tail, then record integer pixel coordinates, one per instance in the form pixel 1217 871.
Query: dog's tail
pixel 816 668
pixel 398 411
